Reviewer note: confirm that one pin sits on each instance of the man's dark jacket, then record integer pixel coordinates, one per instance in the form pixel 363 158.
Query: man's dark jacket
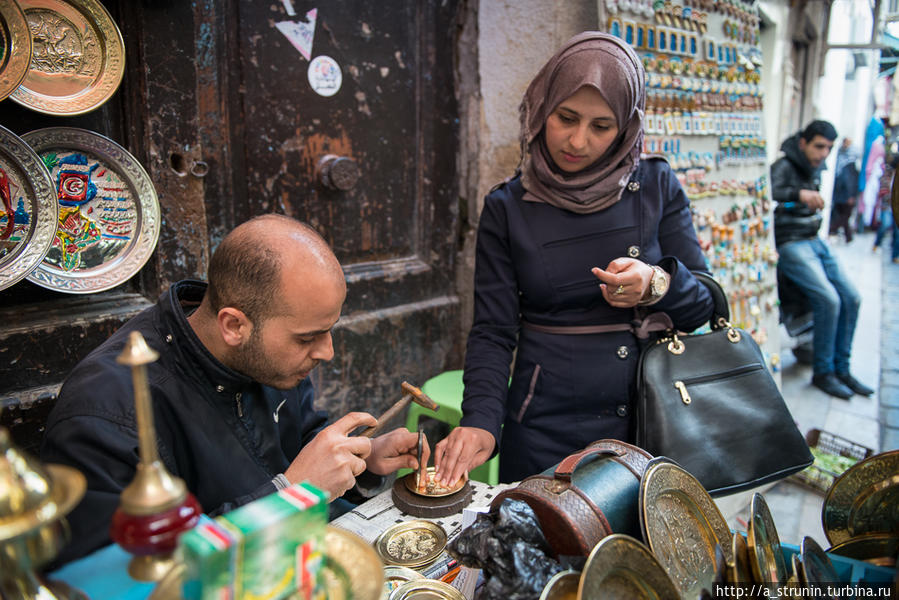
pixel 225 435
pixel 792 172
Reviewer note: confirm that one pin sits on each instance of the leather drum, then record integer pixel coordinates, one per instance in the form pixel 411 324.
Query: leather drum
pixel 587 496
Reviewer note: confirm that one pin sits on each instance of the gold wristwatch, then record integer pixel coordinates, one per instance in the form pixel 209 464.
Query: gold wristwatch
pixel 658 286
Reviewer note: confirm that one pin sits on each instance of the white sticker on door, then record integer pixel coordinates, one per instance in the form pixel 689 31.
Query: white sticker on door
pixel 324 75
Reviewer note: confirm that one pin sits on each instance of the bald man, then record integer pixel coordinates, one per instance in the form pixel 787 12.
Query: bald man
pixel 232 401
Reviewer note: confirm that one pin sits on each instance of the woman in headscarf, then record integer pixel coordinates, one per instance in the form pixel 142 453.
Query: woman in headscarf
pixel 584 236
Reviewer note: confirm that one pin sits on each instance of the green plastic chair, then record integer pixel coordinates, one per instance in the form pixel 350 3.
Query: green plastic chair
pixel 446 390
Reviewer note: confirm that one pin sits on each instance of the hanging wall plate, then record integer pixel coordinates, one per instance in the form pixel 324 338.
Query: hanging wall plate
pixel 77 58
pixel 15 46
pixel 109 218
pixel 28 209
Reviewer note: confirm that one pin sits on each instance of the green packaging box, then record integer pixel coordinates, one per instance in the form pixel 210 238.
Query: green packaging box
pixel 269 549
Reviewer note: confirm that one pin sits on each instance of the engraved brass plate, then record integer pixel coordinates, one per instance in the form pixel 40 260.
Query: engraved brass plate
pixel 28 209
pixel 863 499
pixel 765 556
pixel 77 57
pixel 562 586
pixel 15 46
pixel 411 543
pixel 815 567
pixel 739 571
pixel 426 589
pixel 621 567
pixel 879 549
pixel 682 525
pixel 108 221
pixel 431 488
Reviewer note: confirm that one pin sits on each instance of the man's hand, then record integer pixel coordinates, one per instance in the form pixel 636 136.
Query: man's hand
pixel 624 282
pixel 461 451
pixel 332 460
pixel 396 450
pixel 811 198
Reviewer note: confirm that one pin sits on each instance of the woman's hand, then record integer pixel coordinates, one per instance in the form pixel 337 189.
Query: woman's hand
pixel 461 451
pixel 624 282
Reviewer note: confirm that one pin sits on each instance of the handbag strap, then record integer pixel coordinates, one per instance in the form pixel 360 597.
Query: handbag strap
pixel 569 464
pixel 721 314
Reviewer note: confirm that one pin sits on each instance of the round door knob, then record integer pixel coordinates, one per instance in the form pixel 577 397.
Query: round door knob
pixel 338 172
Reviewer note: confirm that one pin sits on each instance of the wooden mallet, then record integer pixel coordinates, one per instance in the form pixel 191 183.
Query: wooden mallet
pixel 410 394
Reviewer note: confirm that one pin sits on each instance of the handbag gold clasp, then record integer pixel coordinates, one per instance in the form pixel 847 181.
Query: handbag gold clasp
pixel 675 346
pixel 733 335
pixel 684 394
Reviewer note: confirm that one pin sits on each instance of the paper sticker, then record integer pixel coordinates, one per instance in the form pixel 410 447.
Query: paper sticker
pixel 324 75
pixel 300 34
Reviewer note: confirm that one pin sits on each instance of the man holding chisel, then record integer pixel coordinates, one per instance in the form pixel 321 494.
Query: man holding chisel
pixel 232 400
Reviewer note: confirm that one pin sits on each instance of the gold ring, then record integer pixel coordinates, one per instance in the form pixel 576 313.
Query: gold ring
pixel 619 290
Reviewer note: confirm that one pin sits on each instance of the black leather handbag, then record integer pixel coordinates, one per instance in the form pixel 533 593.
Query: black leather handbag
pixel 708 402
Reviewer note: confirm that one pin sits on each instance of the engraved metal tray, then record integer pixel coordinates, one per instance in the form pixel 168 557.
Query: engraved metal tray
pixel 411 483
pixel 28 210
pixel 15 46
pixel 864 499
pixel 77 57
pixel 682 525
pixel 411 543
pixel 109 219
pixel 619 566
pixel 765 556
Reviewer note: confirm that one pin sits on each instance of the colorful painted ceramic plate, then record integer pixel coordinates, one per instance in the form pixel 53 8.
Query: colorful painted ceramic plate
pixel 77 57
pixel 411 543
pixel 620 567
pixel 431 488
pixel 765 556
pixel 15 46
pixel 108 221
pixel 28 209
pixel 864 499
pixel 682 525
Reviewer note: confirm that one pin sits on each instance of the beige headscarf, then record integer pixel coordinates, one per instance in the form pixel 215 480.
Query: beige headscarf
pixel 609 65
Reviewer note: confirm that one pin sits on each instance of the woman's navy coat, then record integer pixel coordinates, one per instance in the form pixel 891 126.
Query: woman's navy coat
pixel 533 264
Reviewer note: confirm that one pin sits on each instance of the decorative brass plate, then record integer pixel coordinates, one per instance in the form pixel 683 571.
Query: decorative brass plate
pixel 426 589
pixel 436 492
pixel 621 567
pixel 15 46
pixel 395 576
pixel 879 549
pixel 109 218
pixel 739 571
pixel 562 586
pixel 77 58
pixel 411 543
pixel 765 556
pixel 815 567
pixel 863 499
pixel 351 570
pixel 682 525
pixel 28 209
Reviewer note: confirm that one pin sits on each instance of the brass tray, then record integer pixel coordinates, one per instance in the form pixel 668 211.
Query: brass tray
pixel 411 484
pixel 426 589
pixel 682 525
pixel 879 549
pixel 411 543
pixel 739 571
pixel 765 556
pixel 15 46
pixel 77 58
pixel 28 209
pixel 395 576
pixel 109 217
pixel 621 567
pixel 351 570
pixel 562 586
pixel 815 567
pixel 863 499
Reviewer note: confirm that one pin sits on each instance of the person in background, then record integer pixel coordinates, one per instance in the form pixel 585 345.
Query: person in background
pixel 887 217
pixel 586 238
pixel 845 190
pixel 807 262
pixel 232 400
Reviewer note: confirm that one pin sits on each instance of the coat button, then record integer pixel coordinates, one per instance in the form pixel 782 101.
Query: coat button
pixel 622 352
pixel 633 251
pixel 169 338
pixel 633 186
pixel 621 411
pixel 220 388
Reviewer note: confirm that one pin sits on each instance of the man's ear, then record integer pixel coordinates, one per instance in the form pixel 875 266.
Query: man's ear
pixel 234 326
